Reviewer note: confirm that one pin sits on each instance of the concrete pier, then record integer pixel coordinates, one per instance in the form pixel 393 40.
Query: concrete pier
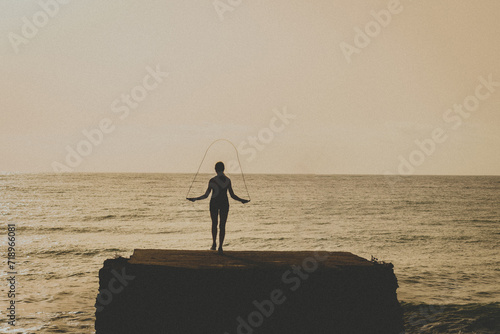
pixel 187 291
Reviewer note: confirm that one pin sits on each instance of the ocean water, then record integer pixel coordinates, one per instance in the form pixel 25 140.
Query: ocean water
pixel 440 232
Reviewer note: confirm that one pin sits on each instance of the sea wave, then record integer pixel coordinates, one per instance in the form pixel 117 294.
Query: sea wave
pixel 40 230
pixel 123 217
pixel 451 318
pixel 98 218
pixel 77 252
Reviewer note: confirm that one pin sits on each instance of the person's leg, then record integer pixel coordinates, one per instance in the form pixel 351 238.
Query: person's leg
pixel 223 218
pixel 214 215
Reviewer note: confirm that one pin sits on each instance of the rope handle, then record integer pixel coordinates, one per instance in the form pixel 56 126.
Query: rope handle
pixel 204 156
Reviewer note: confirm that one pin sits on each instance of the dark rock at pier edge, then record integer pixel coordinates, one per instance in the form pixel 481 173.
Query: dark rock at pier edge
pixel 186 291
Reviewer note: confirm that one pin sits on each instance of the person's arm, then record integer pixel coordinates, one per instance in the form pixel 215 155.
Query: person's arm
pixel 233 195
pixel 209 189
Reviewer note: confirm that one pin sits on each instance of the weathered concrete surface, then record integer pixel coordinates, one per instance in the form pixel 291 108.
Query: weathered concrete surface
pixel 185 291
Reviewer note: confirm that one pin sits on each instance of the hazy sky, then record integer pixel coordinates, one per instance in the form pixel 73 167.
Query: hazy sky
pixel 353 103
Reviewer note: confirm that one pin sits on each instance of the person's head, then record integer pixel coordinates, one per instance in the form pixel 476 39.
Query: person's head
pixel 219 167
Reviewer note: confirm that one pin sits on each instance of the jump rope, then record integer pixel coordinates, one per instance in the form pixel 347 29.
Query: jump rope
pixel 204 156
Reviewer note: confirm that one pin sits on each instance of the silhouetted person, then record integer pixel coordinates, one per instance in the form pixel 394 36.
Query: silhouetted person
pixel 219 203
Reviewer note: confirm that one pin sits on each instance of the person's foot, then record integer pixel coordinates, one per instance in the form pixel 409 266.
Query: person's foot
pixel 213 247
pixel 220 249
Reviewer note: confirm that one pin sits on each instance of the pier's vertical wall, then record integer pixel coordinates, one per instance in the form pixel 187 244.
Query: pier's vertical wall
pixel 179 291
